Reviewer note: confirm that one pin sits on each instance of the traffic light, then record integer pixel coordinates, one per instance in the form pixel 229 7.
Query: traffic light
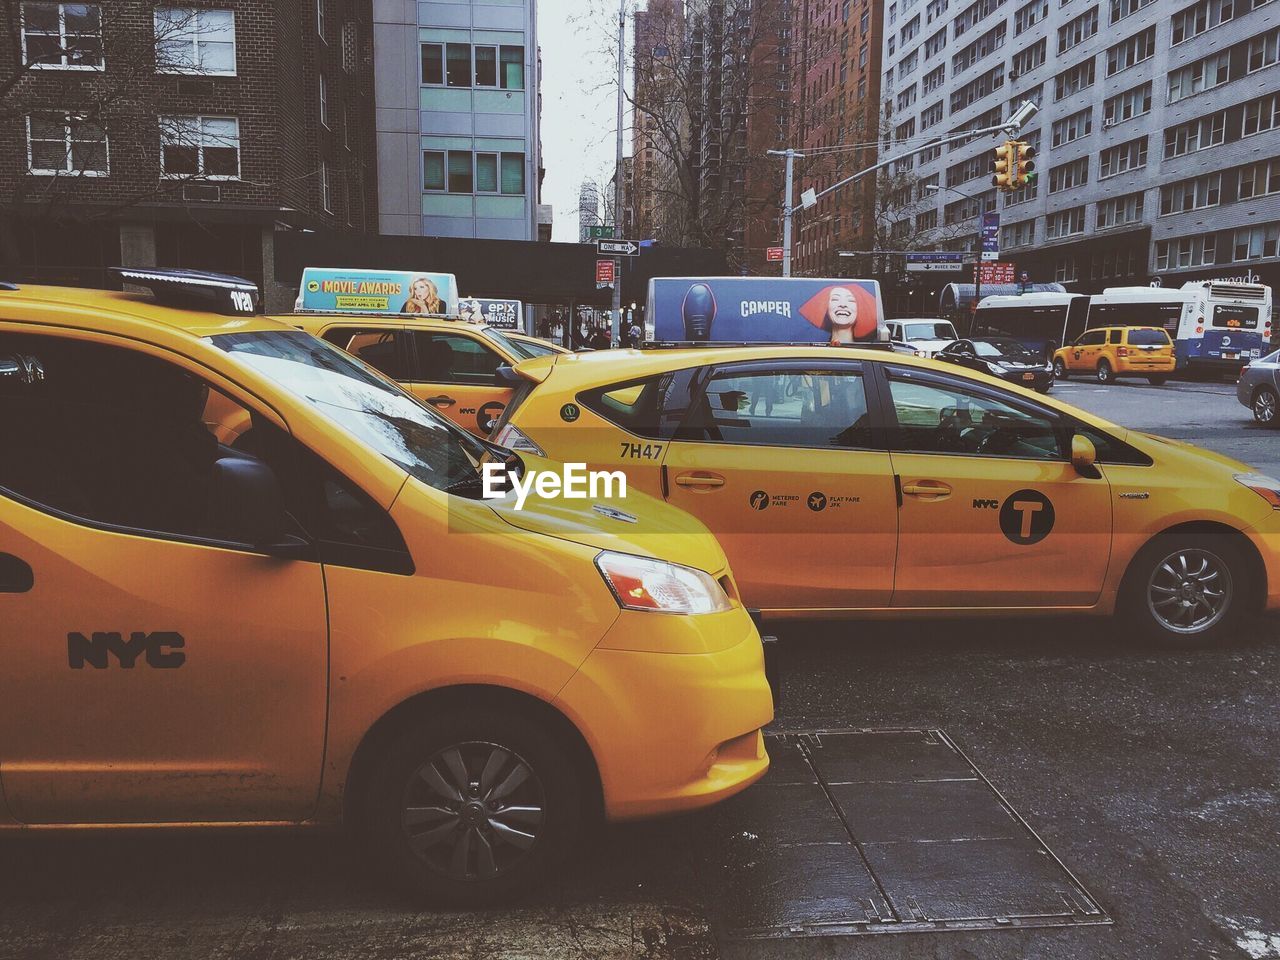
pixel 1023 169
pixel 1006 161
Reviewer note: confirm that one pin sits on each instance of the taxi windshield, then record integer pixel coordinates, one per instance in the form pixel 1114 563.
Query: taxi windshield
pixel 355 399
pixel 939 330
pixel 513 347
pixel 1011 349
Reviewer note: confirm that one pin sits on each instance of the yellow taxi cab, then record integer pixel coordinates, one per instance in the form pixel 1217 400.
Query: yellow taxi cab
pixel 854 482
pixel 1110 352
pixel 450 364
pixel 327 623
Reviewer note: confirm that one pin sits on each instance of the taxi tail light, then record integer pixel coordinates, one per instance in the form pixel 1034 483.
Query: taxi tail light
pixel 1122 352
pixel 655 586
pixel 1268 488
pixel 513 438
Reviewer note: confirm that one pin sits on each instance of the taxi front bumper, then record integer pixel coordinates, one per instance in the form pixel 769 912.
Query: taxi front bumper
pixel 673 731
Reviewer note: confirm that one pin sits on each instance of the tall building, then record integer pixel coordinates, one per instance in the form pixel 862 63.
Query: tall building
pixel 660 125
pixel 588 209
pixel 182 136
pixel 459 150
pixel 1157 132
pixel 835 106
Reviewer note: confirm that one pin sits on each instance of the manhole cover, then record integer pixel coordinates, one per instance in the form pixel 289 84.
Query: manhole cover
pixel 881 831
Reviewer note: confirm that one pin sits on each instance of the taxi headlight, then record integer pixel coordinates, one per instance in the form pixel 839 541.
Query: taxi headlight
pixel 639 583
pixel 513 438
pixel 1268 488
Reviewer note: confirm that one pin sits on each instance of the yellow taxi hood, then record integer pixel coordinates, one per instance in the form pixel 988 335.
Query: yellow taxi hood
pixel 637 524
pixel 1153 442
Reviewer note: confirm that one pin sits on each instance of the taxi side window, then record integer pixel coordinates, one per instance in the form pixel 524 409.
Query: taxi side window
pixel 381 349
pixel 1115 336
pixel 937 415
pixel 789 407
pixel 1093 338
pixel 454 358
pixel 116 437
pixel 636 406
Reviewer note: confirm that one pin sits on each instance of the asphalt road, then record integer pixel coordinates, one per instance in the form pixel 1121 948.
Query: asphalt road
pixel 1153 776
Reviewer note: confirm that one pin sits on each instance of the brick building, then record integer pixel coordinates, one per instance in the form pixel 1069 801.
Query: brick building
pixel 186 135
pixel 835 107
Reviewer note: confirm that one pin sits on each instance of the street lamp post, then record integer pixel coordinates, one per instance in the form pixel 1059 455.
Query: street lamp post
pixel 977 254
pixel 616 319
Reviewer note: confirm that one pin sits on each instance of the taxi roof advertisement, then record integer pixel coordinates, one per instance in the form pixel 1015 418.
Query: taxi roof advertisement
pixel 765 310
pixel 504 314
pixel 329 290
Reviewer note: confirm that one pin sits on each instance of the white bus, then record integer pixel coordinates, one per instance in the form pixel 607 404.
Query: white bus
pixel 1214 323
pixel 1041 322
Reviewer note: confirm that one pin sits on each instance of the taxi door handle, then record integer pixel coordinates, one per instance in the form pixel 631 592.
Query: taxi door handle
pixel 927 489
pixel 441 401
pixel 699 480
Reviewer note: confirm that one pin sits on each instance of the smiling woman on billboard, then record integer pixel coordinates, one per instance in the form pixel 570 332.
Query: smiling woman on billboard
pixel 847 313
pixel 423 297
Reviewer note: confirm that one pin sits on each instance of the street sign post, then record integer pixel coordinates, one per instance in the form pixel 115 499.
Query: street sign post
pixel 773 254
pixel 617 248
pixel 604 271
pixel 927 262
pixel 603 231
pixel 991 235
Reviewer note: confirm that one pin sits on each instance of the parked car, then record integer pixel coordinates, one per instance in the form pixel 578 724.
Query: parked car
pixel 1259 389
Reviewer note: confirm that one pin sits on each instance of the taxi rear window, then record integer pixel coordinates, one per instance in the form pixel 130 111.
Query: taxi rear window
pixel 1148 338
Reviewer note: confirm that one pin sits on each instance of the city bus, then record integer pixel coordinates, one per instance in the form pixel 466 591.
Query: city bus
pixel 1041 322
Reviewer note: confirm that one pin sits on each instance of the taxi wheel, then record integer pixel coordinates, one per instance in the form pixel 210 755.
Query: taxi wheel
pixel 1105 373
pixel 1059 369
pixel 1157 381
pixel 1186 590
pixel 1266 407
pixel 471 807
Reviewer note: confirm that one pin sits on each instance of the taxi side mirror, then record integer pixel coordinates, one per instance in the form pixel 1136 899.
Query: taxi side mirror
pixel 248 507
pixel 1084 457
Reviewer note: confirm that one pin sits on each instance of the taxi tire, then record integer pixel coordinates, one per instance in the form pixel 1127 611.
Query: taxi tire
pixel 1060 370
pixel 526 737
pixel 1132 605
pixel 1157 381
pixel 1104 372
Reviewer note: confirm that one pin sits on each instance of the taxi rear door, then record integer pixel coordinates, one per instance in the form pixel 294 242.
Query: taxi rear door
pixel 457 373
pixel 783 461
pixel 993 514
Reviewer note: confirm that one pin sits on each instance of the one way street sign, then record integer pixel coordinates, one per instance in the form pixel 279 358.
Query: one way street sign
pixel 617 248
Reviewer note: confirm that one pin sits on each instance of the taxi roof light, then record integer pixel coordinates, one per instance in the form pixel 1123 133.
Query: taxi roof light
pixel 195 289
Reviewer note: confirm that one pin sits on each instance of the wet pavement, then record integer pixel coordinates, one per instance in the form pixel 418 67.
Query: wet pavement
pixel 1153 776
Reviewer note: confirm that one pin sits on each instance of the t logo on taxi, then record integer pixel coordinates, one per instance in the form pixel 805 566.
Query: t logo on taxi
pixel 1027 517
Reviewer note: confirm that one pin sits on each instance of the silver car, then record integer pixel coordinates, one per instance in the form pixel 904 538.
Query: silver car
pixel 1259 389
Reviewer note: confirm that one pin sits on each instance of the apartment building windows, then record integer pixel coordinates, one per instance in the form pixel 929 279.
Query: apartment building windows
pixel 1018 234
pixel 62 36
pixel 1065 269
pixel 905 131
pixel 1259 179
pixel 1066 176
pixel 204 147
pixel 1125 54
pixel 1194 135
pixel 934 79
pixel 1122 158
pixel 907 97
pixel 1120 211
pixel 496 66
pixel 1028 58
pixel 1126 105
pixel 1064 223
pixel 326 192
pixel 1255 243
pixel 1264 50
pixel 978 88
pixel 1072 128
pixel 931 116
pixel 969 169
pixel 191 40
pixel 1186 252
pixel 1077 31
pixel 1073 80
pixel 59 144
pixel 926 221
pixel 1261 115
pixel 1028 15
pixel 1194 194
pixel 461 171
pixel 935 44
pixel 935 9
pixel 1126 8
pixel 974 14
pixel 1196 19
pixel 989 42
pixel 911 29
pixel 1202 75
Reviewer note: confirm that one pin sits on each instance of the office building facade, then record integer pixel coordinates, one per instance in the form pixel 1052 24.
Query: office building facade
pixel 458 132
